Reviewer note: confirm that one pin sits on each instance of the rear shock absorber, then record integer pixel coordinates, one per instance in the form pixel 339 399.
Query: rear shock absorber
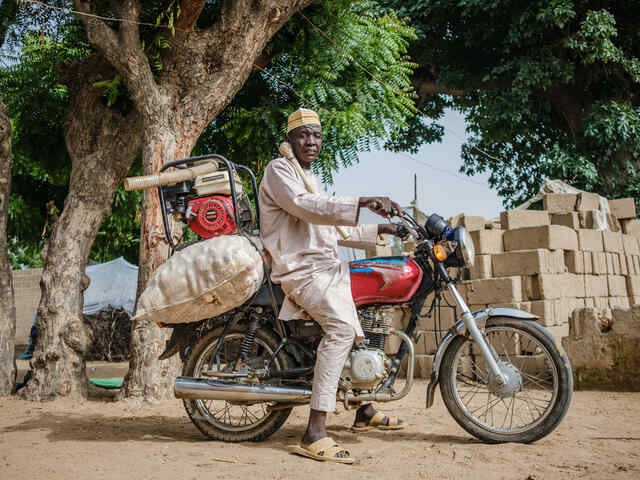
pixel 249 338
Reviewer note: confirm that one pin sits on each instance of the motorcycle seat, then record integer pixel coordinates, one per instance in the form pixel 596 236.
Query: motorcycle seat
pixel 263 297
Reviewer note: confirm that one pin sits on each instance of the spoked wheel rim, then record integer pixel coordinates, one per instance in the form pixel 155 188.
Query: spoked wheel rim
pixel 232 416
pixel 513 413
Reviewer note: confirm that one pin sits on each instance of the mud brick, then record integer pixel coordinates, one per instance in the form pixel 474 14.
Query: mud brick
pixel 609 260
pixel 589 302
pixel 599 260
pixel 481 267
pixel 602 303
pixel 623 208
pixel 634 301
pixel 630 245
pixel 423 366
pixel 632 264
pixel 513 219
pixel 471 223
pixel 590 240
pixel 567 306
pixel 495 290
pixel 527 262
pixel 619 302
pixel 612 241
pixel 559 202
pixel 631 227
pixel 614 223
pixel 614 261
pixel 617 286
pixel 551 237
pixel 559 331
pixel 574 261
pixel 624 269
pixel 548 287
pixel 585 219
pixel 546 310
pixel 570 220
pixel 588 263
pixel 596 286
pixel 588 201
pixel 633 285
pixel 487 241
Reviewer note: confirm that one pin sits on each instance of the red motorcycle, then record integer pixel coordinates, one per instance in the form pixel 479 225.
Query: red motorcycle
pixel 501 375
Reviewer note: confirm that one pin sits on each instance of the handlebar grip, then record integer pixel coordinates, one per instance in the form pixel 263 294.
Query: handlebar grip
pixel 377 206
pixel 167 178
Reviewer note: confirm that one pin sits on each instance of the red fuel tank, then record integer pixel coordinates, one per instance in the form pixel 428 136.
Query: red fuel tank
pixel 384 280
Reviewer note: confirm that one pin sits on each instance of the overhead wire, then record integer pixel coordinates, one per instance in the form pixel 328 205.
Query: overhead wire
pixel 100 17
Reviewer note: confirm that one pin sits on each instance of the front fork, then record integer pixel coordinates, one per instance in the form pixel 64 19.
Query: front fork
pixel 476 334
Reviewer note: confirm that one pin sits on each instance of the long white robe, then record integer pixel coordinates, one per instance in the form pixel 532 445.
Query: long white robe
pixel 298 230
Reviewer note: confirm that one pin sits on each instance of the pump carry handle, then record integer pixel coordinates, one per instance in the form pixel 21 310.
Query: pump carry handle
pixel 167 178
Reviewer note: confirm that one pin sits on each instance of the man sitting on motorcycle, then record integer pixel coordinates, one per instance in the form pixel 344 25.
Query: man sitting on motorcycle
pixel 298 230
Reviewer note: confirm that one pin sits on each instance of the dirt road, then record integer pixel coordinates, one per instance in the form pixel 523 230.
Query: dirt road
pixel 599 439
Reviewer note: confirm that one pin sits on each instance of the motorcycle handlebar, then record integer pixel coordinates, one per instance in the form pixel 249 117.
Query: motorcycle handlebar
pixel 167 178
pixel 393 213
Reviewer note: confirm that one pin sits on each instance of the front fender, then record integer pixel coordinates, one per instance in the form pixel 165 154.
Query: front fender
pixel 481 317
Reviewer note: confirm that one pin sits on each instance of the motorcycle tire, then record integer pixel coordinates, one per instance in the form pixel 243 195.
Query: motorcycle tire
pixel 526 348
pixel 199 411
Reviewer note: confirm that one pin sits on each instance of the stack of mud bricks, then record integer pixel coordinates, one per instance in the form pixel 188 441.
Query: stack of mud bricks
pixel 548 262
pixel 552 261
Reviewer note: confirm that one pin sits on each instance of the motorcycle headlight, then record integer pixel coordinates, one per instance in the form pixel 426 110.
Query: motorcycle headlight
pixel 464 254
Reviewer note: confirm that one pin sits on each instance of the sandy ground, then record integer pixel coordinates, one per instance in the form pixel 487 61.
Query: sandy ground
pixel 598 439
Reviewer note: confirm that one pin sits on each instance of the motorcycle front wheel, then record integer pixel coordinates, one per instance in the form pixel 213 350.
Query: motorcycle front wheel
pixel 234 421
pixel 532 402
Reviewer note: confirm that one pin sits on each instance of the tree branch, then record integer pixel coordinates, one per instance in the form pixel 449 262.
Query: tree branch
pixel 124 53
pixel 100 35
pixel 190 10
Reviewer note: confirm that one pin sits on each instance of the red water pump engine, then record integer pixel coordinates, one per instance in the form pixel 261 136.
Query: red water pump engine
pixel 210 216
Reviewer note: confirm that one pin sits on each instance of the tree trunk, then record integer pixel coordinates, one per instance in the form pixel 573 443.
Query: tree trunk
pixel 7 306
pixel 102 144
pixel 148 377
pixel 201 73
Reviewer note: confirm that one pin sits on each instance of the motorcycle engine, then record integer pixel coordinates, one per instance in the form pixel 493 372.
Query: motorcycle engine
pixel 366 367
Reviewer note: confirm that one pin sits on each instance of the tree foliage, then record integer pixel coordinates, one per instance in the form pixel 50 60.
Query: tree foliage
pixel 37 101
pixel 549 88
pixel 358 110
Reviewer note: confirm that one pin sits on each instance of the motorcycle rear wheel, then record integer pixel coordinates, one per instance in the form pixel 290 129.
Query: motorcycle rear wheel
pixel 231 421
pixel 535 404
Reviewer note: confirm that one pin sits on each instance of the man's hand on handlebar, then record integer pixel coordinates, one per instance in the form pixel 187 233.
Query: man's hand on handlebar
pixel 393 229
pixel 383 206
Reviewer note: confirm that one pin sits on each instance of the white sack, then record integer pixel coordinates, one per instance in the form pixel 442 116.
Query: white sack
pixel 203 280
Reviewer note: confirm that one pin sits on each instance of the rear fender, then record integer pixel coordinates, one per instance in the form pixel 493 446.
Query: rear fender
pixel 482 318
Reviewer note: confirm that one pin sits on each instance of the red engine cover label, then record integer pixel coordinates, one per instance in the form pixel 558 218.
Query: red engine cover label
pixel 211 216
pixel 384 280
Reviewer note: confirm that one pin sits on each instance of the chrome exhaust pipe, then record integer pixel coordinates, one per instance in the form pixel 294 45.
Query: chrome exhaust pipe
pixel 191 388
